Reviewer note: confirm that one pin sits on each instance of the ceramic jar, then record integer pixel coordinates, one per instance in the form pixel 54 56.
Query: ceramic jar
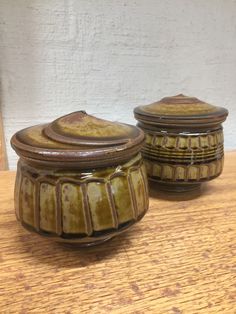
pixel 184 141
pixel 80 179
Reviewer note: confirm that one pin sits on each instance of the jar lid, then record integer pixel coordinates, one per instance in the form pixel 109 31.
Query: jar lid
pixel 79 139
pixel 180 111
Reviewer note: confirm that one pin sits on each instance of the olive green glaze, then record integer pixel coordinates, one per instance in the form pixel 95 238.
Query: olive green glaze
pixel 184 141
pixel 47 207
pixel 80 179
pixel 82 207
pixel 27 201
pixel 83 143
pixel 180 105
pixel 72 207
pixel 81 128
pixel 180 111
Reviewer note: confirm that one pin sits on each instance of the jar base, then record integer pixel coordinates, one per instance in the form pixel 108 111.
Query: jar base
pixel 176 187
pixel 84 244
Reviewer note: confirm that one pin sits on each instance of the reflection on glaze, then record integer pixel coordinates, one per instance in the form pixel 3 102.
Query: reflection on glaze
pixel 82 204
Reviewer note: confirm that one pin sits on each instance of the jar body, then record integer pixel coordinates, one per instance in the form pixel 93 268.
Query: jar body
pixel 81 206
pixel 180 160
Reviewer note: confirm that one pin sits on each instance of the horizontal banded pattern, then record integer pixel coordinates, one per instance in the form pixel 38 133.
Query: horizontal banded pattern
pixel 179 173
pixel 183 157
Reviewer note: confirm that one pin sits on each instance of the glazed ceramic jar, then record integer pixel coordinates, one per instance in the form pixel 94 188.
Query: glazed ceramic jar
pixel 184 141
pixel 80 179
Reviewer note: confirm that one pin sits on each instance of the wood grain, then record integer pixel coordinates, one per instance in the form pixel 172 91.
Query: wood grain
pixel 181 258
pixel 3 153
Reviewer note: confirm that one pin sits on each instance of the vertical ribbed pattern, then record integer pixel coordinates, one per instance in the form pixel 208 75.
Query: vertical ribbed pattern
pixel 37 209
pixel 103 203
pixel 133 198
pixel 58 211
pixel 87 210
pixel 17 193
pixel 112 204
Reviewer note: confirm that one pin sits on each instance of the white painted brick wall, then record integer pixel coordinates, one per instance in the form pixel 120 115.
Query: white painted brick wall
pixel 108 56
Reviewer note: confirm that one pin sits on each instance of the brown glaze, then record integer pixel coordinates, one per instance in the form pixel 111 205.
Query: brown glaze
pixel 184 141
pixel 180 111
pixel 80 128
pixel 41 143
pixel 77 191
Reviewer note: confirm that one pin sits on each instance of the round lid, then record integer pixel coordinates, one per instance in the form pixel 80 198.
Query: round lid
pixel 180 110
pixel 79 139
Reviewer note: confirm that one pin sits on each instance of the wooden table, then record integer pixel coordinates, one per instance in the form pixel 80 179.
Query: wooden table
pixel 181 258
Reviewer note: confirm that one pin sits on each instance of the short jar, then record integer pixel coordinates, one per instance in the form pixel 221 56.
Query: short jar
pixel 184 142
pixel 80 179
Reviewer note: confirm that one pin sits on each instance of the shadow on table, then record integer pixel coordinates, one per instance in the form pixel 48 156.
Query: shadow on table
pixel 62 255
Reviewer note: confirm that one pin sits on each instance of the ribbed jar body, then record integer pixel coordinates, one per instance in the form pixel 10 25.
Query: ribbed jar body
pixel 83 206
pixel 181 158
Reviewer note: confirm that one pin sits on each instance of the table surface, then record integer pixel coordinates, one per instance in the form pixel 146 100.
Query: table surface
pixel 181 258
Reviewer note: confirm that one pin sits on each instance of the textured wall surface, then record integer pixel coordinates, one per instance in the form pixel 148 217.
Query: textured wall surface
pixel 108 56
